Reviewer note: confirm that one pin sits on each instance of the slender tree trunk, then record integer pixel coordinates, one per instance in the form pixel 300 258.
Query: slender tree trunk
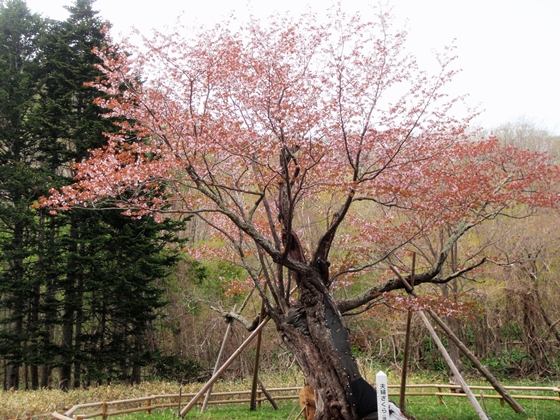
pixel 34 376
pixel 454 352
pixel 34 336
pixel 552 326
pixel 51 304
pixel 67 339
pixel 140 346
pixel 103 331
pixel 49 333
pixel 65 372
pixel 136 374
pixel 13 374
pixel 46 376
pixel 78 333
pixel 69 315
pixel 533 342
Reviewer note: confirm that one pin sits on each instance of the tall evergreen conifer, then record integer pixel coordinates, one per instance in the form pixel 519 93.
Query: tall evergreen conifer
pixel 20 181
pixel 79 290
pixel 111 262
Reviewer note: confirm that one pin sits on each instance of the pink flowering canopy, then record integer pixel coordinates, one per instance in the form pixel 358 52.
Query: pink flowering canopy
pixel 328 130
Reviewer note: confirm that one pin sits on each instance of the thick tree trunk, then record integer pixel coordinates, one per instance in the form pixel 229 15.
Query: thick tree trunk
pixel 308 335
pixel 313 328
pixel 322 370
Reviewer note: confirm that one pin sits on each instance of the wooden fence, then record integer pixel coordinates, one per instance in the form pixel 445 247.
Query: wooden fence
pixel 152 402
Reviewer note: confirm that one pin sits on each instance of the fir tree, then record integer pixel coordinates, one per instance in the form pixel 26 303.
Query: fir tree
pixel 107 297
pixel 20 183
pixel 78 291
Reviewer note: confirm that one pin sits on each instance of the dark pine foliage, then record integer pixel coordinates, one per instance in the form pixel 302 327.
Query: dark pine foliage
pixel 79 290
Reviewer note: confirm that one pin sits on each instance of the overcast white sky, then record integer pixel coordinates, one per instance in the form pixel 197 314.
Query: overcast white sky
pixel 509 50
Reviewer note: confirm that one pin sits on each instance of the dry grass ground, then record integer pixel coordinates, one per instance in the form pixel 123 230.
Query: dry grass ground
pixel 39 404
pixel 33 404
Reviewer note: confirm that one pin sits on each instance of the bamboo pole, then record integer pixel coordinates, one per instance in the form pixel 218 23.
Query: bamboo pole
pixel 226 364
pixel 217 365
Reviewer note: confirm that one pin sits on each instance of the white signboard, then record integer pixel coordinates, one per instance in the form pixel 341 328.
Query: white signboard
pixel 382 396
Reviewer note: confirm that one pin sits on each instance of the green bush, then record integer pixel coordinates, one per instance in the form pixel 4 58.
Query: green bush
pixel 176 369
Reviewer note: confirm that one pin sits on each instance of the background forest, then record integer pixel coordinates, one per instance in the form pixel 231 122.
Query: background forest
pixel 96 297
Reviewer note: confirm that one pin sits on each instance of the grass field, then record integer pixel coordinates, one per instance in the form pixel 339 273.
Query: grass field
pixel 423 408
pixel 27 404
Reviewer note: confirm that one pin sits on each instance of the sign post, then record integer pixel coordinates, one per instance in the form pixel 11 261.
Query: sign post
pixel 382 396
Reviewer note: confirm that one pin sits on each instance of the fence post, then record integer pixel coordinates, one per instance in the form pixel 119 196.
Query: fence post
pixel 179 402
pixel 104 410
pixel 440 397
pixel 148 405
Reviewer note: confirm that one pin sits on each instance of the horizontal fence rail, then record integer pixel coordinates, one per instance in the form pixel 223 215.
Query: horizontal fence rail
pixel 105 409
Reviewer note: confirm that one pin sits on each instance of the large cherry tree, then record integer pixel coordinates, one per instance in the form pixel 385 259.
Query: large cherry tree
pixel 319 153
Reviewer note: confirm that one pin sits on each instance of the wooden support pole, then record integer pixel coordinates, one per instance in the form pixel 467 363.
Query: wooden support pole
pixel 179 400
pixel 218 360
pixel 464 349
pixel 485 372
pixel 59 416
pixel 402 397
pixel 226 364
pixel 253 403
pixel 149 405
pixel 268 396
pixel 443 351
pixel 466 389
